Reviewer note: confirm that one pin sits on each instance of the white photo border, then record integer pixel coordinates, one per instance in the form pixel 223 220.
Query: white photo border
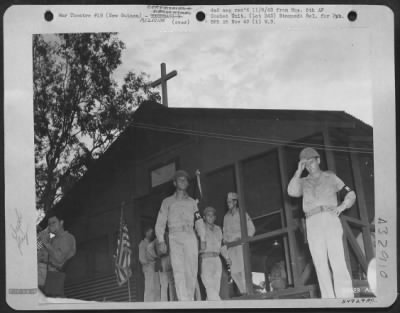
pixel 21 22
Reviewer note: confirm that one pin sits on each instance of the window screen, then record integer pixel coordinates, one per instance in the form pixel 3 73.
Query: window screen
pixel 218 184
pixel 263 191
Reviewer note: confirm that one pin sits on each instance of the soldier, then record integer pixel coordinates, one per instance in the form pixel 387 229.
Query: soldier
pixel 211 267
pixel 324 230
pixel 59 250
pixel 148 258
pixel 231 233
pixel 180 212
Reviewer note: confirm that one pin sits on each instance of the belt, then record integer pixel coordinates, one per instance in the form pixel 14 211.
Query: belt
pixel 209 254
pixel 182 228
pixel 318 209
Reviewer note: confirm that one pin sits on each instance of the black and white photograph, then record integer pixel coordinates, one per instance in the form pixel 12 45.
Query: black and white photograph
pixel 187 157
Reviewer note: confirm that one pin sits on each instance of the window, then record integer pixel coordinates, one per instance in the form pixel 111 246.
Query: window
pixel 268 265
pixel 162 174
pixel 304 261
pixel 218 184
pixel 263 191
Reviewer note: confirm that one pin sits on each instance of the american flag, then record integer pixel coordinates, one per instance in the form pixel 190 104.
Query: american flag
pixel 123 255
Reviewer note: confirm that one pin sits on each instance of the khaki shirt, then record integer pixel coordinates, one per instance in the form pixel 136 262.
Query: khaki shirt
pixel 147 256
pixel 232 230
pixel 178 213
pixel 214 240
pixel 321 191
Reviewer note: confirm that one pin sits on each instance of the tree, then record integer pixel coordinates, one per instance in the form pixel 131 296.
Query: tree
pixel 79 109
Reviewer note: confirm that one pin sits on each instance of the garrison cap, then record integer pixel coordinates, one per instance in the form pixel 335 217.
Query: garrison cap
pixel 181 173
pixel 232 196
pixel 308 153
pixel 209 209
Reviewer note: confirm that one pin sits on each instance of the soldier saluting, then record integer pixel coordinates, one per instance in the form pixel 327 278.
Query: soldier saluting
pixel 324 229
pixel 181 213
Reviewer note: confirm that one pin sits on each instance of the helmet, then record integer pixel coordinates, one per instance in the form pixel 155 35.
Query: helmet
pixel 209 209
pixel 181 173
pixel 308 153
pixel 232 196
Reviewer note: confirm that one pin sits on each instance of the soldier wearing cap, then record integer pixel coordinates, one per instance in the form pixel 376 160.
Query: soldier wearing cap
pixel 180 212
pixel 211 267
pixel 232 233
pixel 324 230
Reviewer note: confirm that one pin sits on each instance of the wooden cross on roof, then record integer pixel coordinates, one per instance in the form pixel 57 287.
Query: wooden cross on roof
pixel 163 82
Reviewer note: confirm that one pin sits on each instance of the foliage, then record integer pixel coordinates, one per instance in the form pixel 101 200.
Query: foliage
pixel 79 109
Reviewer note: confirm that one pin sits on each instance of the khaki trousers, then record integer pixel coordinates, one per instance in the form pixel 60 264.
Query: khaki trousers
pixel 167 286
pixel 184 261
pixel 151 286
pixel 211 271
pixel 325 239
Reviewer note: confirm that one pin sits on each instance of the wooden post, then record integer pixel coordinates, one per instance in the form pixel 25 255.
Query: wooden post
pixel 137 271
pixel 243 228
pixel 362 205
pixel 293 269
pixel 330 159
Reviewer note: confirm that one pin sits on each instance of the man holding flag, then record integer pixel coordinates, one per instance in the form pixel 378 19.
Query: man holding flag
pixel 123 255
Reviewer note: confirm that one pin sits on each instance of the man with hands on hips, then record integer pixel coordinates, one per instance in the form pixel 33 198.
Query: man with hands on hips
pixel 324 230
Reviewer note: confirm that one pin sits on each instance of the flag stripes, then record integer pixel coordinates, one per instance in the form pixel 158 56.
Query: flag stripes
pixel 123 256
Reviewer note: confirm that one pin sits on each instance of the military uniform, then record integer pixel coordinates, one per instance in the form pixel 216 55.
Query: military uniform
pixel 147 258
pixel 180 216
pixel 211 267
pixel 232 232
pixel 324 231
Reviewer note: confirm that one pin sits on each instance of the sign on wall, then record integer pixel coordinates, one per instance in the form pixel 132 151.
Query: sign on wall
pixel 162 174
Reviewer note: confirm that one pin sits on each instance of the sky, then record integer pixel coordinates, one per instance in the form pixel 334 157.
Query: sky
pixel 321 69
